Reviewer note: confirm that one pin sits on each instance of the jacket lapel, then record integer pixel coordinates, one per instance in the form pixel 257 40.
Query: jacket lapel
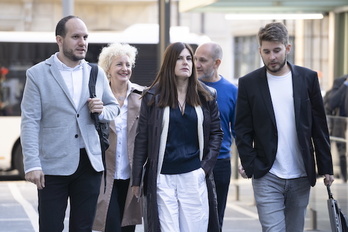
pixel 59 79
pixel 266 95
pixel 86 70
pixel 134 103
pixel 297 85
pixel 133 112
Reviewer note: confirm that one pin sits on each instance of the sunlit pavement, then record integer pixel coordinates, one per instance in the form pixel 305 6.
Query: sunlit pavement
pixel 18 207
pixel 241 214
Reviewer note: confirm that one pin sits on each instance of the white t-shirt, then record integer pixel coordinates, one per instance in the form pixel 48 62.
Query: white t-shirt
pixel 289 162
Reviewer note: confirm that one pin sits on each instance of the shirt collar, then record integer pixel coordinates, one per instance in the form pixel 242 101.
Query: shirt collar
pixel 63 67
pixel 130 88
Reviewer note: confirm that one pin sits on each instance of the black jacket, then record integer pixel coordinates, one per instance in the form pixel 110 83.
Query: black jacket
pixel 147 143
pixel 256 130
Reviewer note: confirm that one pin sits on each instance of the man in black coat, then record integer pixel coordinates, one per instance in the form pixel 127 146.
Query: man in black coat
pixel 281 133
pixel 336 104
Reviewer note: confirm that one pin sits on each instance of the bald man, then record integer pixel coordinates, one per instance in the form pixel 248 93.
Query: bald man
pixel 208 58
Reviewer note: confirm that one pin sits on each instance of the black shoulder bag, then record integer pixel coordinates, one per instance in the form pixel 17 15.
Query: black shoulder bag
pixel 102 128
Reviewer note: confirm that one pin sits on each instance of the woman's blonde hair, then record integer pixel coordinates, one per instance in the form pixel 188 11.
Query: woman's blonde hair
pixel 113 50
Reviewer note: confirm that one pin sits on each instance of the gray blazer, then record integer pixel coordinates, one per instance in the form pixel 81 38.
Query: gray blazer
pixel 51 124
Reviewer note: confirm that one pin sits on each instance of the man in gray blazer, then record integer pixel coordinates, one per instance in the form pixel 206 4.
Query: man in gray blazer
pixel 281 133
pixel 61 149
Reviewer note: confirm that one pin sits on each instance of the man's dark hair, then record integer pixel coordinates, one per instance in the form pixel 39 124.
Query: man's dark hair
pixel 274 32
pixel 60 28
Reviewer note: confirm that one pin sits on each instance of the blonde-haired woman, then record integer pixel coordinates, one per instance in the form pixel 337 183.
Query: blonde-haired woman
pixel 117 209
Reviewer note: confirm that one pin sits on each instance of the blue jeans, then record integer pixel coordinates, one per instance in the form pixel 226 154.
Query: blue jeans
pixel 281 203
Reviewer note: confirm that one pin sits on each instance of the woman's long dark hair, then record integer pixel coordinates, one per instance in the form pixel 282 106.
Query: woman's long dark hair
pixel 166 82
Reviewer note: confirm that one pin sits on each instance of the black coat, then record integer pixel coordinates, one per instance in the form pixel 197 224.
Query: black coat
pixel 338 97
pixel 147 143
pixel 256 130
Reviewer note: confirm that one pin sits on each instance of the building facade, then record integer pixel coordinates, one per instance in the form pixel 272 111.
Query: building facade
pixel 320 44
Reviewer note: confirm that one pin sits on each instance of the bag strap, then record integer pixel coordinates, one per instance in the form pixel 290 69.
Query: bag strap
pixel 92 94
pixel 91 85
pixel 93 80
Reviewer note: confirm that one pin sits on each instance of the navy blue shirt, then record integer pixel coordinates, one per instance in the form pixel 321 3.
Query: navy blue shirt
pixel 182 149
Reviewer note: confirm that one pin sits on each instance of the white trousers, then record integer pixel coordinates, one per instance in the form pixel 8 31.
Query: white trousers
pixel 183 202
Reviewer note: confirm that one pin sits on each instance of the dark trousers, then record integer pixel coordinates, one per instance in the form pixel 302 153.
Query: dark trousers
pixel 82 189
pixel 341 148
pixel 116 208
pixel 338 129
pixel 222 177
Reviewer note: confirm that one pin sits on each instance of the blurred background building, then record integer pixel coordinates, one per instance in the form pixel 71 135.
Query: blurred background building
pixel 320 43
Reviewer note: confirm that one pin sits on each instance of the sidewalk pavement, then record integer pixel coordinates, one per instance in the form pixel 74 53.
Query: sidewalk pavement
pixel 241 214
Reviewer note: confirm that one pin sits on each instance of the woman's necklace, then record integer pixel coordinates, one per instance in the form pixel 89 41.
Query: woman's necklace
pixel 182 107
pixel 121 98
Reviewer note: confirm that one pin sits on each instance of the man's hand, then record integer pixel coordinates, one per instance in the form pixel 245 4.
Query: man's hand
pixel 36 177
pixel 328 179
pixel 95 105
pixel 242 172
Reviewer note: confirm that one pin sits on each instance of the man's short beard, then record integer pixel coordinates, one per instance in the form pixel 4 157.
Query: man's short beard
pixel 280 67
pixel 206 76
pixel 71 55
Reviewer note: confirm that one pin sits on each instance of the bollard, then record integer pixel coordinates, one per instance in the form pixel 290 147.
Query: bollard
pixel 237 192
pixel 313 219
